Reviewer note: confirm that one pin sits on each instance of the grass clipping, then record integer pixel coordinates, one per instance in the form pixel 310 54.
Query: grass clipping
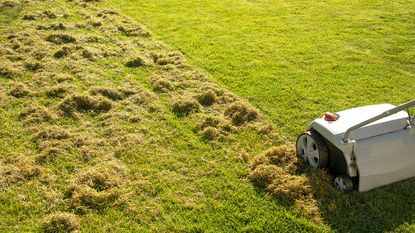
pixel 281 173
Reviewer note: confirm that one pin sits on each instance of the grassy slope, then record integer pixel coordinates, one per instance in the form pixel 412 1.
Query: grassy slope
pixel 294 59
pixel 177 181
pixel 297 59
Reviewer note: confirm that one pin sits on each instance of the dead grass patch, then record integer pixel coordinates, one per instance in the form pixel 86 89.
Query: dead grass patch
pixel 61 222
pixel 240 113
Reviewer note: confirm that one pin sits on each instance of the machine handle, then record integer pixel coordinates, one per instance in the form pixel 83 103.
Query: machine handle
pixel 392 111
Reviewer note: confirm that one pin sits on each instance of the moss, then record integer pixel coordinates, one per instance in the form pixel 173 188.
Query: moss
pixel 184 107
pixel 240 113
pixel 61 222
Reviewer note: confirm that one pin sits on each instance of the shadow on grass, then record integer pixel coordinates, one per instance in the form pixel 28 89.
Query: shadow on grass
pixel 379 210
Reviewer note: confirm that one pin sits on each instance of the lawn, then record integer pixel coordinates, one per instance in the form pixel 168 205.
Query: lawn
pixel 152 122
pixel 294 60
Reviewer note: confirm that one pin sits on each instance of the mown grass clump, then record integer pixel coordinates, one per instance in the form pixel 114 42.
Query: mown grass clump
pixel 19 90
pixel 240 113
pixel 84 103
pixel 61 222
pixel 60 39
pixel 185 106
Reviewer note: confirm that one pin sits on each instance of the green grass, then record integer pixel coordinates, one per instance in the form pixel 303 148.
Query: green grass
pixel 293 59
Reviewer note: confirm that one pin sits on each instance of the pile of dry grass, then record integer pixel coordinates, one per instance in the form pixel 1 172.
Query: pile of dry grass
pixel 185 106
pixel 206 98
pixel 62 52
pixel 212 127
pixel 168 59
pixel 282 156
pixel 240 113
pixel 52 133
pixel 61 222
pixel 109 93
pixel 7 70
pixel 60 39
pixel 98 186
pixel 16 168
pixel 136 61
pixel 19 90
pixel 162 85
pixel 36 115
pixel 59 91
pixel 277 170
pixel 84 103
pixel 134 31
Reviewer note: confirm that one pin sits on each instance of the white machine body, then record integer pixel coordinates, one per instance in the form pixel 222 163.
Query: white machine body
pixel 378 153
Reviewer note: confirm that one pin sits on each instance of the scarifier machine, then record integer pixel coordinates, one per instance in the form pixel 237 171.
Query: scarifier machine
pixel 367 147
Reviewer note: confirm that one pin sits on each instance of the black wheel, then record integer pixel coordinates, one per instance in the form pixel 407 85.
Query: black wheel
pixel 312 149
pixel 343 183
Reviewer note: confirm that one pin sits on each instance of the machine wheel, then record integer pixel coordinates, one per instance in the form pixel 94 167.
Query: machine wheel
pixel 312 148
pixel 343 183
